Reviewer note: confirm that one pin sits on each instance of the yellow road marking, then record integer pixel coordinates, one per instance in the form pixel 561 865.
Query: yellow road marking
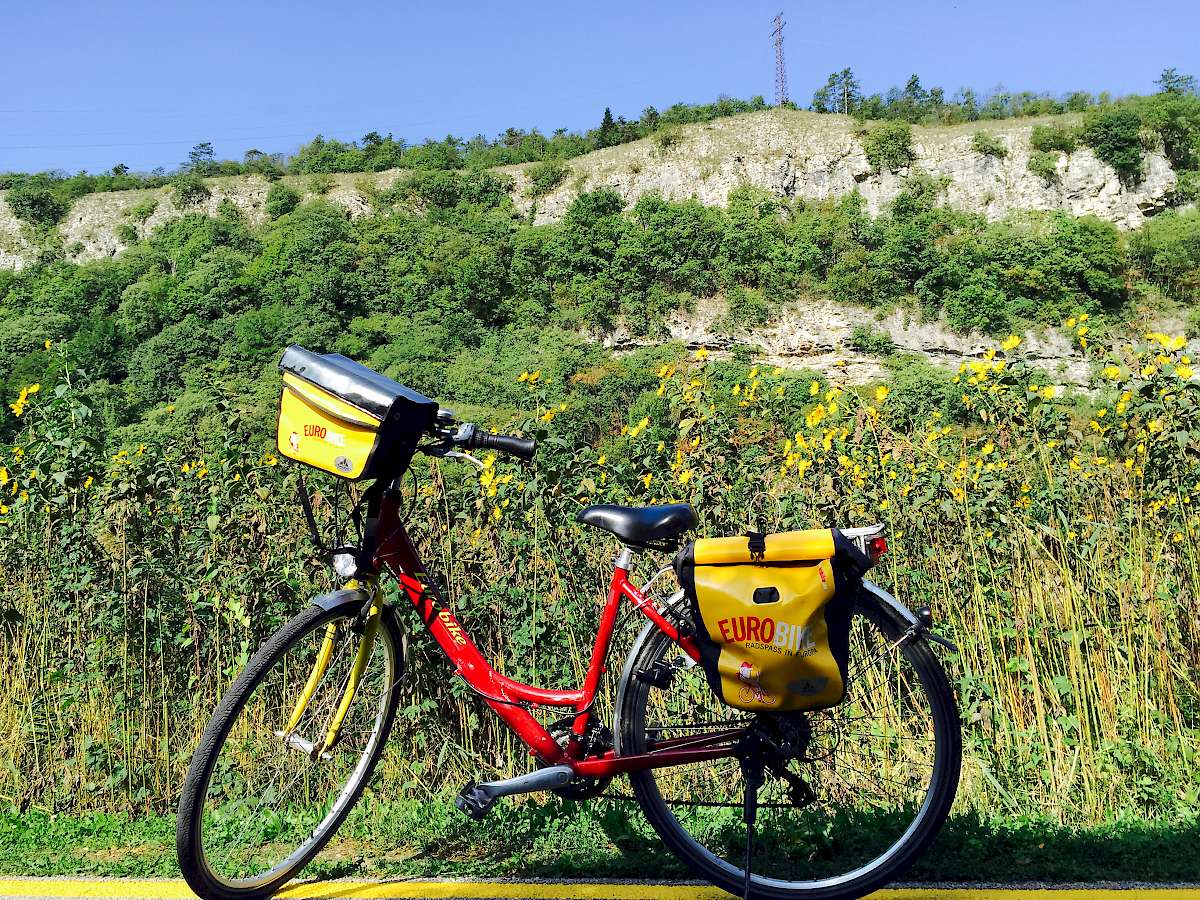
pixel 111 888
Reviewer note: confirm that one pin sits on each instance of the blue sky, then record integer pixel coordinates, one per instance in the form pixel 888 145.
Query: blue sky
pixel 86 85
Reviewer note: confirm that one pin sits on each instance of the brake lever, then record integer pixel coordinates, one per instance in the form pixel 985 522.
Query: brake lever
pixel 462 454
pixel 446 451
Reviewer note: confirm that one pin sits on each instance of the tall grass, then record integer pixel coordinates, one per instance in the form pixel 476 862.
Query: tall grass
pixel 1055 546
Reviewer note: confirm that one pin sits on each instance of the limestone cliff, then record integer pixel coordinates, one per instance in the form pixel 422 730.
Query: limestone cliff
pixel 790 153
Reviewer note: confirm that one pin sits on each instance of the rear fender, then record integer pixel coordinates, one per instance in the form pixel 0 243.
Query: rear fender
pixel 920 624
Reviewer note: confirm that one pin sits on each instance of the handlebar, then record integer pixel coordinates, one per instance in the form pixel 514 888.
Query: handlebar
pixel 468 436
pixel 522 448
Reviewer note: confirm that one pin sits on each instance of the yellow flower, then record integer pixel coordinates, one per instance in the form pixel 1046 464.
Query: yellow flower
pixel 496 514
pixel 1070 323
pixel 1183 371
pixel 1083 329
pixel 701 353
pixel 814 389
pixel 1084 317
pixel 816 415
pixel 3 476
pixel 271 460
pixel 49 344
pixel 737 389
pixel 34 388
pixel 1112 373
pixel 881 393
pixel 988 449
pixel 685 476
pixel 1048 392
pixel 87 482
pixel 1012 342
pixel 548 416
pixel 171 408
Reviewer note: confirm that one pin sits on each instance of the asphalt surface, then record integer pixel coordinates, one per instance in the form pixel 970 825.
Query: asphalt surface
pixel 403 889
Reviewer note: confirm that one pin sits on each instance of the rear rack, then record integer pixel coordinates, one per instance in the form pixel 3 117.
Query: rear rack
pixel 861 536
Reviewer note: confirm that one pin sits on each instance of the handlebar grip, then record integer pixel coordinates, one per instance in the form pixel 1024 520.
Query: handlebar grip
pixel 522 448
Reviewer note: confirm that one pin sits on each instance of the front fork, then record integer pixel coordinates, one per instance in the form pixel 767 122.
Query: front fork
pixel 366 646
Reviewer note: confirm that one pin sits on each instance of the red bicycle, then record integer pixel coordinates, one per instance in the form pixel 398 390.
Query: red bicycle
pixel 849 797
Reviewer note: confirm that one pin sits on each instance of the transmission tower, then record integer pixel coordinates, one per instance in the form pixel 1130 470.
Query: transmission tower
pixel 780 68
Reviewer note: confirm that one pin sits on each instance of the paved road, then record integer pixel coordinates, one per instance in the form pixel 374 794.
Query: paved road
pixel 111 889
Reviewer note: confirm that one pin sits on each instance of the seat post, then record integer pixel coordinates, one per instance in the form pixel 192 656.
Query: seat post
pixel 624 559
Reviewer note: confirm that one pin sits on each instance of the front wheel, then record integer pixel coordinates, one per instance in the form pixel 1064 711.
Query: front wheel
pixel 260 800
pixel 855 796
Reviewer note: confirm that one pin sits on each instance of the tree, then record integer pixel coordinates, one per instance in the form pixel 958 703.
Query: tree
pixel 201 159
pixel 608 130
pixel 969 103
pixel 841 93
pixel 120 169
pixel 1172 81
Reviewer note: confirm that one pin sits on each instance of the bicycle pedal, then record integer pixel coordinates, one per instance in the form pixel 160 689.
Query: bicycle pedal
pixel 473 802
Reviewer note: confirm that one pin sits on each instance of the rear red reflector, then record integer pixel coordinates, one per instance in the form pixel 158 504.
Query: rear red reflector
pixel 876 547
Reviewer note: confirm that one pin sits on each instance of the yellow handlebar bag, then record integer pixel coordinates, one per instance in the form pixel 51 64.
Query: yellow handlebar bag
pixel 773 616
pixel 345 419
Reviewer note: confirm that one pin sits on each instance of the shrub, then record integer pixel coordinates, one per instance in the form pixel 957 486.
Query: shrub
pixel 869 339
pixel 1045 165
pixel 987 144
pixel 281 200
pixel 666 138
pixel 143 209
pixel 917 388
pixel 320 184
pixel 36 201
pixel 545 176
pixel 1187 186
pixel 1050 138
pixel 1114 135
pixel 126 233
pixel 1167 249
pixel 888 146
pixel 189 189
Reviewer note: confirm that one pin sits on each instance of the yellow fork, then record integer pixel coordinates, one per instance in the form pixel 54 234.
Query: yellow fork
pixel 363 655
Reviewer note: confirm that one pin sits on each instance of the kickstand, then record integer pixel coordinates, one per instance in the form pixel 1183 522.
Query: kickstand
pixel 753 774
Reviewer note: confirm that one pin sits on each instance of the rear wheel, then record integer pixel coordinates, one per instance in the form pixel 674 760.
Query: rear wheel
pixel 855 794
pixel 259 804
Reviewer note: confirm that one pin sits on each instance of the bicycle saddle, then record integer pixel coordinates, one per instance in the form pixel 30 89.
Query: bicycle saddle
pixel 640 525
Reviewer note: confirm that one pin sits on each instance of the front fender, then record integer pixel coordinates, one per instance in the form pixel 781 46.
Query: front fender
pixel 341 597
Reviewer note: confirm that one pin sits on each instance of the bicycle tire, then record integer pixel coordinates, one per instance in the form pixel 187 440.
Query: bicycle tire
pixel 193 863
pixel 630 725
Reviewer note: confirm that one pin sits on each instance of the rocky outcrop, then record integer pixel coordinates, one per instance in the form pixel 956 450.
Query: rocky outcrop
pixel 815 334
pixel 804 155
pixel 790 153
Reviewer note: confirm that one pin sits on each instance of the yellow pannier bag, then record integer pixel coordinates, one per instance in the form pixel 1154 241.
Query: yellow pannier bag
pixel 343 418
pixel 773 616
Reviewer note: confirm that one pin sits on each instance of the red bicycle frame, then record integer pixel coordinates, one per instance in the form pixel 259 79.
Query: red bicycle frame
pixel 510 699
